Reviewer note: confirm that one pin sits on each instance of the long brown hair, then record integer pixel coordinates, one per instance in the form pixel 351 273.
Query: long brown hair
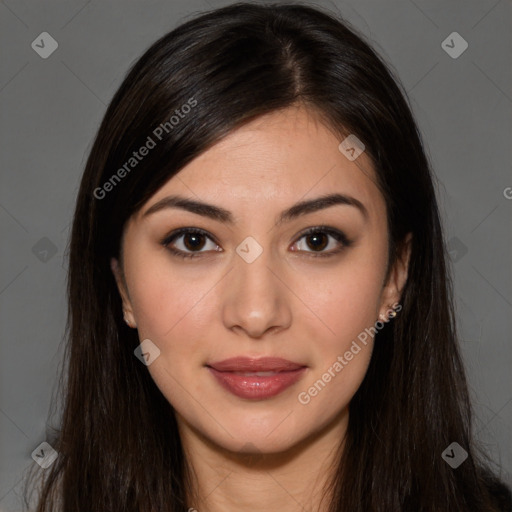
pixel 118 442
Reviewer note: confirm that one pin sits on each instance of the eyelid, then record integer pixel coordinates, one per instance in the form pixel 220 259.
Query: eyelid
pixel 335 233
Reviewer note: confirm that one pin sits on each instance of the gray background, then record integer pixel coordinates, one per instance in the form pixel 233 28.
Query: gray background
pixel 51 108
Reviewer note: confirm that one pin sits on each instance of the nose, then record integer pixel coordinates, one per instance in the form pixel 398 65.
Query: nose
pixel 256 299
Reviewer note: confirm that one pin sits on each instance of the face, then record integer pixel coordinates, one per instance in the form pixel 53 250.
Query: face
pixel 251 282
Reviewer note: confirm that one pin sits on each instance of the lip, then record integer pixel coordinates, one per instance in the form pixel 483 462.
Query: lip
pixel 248 364
pixel 234 375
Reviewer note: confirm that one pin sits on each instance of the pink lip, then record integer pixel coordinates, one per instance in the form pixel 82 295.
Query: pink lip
pixel 230 374
pixel 248 364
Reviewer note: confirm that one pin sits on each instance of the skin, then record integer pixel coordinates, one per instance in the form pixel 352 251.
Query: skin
pixel 286 303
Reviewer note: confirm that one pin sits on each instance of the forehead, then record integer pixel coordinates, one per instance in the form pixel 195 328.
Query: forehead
pixel 287 156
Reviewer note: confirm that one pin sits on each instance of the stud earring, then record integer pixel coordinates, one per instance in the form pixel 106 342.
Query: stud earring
pixel 392 314
pixel 127 322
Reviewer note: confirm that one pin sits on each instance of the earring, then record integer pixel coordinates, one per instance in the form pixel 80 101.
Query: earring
pixel 127 322
pixel 393 313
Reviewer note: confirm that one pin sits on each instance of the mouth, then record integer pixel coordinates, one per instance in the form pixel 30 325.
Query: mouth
pixel 256 379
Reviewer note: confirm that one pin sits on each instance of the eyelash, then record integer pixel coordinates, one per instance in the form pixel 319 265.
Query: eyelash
pixel 337 235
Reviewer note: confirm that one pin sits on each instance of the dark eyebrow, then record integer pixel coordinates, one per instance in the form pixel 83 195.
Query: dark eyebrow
pixel 225 216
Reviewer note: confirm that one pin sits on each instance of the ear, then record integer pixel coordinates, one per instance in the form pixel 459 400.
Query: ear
pixel 392 291
pixel 121 286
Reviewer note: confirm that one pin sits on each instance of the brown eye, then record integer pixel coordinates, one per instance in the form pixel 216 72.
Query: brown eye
pixel 193 241
pixel 188 242
pixel 318 239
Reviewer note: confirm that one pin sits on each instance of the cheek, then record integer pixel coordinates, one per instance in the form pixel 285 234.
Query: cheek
pixel 340 358
pixel 347 301
pixel 171 314
pixel 170 311
pixel 173 309
pixel 348 305
pixel 165 298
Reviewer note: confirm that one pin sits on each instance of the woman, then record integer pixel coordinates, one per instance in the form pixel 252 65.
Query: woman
pixel 260 313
